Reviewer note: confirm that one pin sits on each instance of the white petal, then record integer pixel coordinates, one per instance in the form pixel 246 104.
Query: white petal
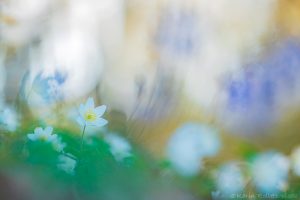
pixel 82 109
pixel 100 110
pixel 31 137
pixel 52 138
pixel 80 121
pixel 90 103
pixel 100 122
pixel 38 130
pixel 48 130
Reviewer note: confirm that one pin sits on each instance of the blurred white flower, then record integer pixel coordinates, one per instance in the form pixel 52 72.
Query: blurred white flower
pixel 62 55
pixel 9 119
pixel 295 161
pixel 91 116
pixel 230 180
pixel 23 18
pixel 67 163
pixel 46 135
pixel 270 172
pixel 189 144
pixel 48 87
pixel 43 135
pixel 58 144
pixel 221 51
pixel 119 146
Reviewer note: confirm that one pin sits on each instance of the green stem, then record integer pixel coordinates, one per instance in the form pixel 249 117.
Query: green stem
pixel 81 146
pixel 68 155
pixel 82 135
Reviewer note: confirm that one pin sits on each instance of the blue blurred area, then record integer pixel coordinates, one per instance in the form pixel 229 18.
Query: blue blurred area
pixel 178 33
pixel 258 91
pixel 48 87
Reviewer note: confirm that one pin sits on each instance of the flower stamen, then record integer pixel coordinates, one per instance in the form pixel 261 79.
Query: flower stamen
pixel 90 116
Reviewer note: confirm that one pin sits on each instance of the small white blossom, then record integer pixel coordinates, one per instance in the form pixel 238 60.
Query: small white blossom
pixel 189 144
pixel 43 134
pixel 67 163
pixel 58 144
pixel 9 119
pixel 230 180
pixel 119 146
pixel 46 135
pixel 270 172
pixel 91 116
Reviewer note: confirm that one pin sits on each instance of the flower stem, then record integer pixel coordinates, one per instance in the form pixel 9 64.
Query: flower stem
pixel 69 156
pixel 82 135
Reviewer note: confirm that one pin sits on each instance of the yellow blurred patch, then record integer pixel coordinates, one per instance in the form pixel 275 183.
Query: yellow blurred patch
pixel 8 20
pixel 288 16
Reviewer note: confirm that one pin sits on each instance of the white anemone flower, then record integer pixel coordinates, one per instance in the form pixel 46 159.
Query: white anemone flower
pixel 270 172
pixel 230 180
pixel 189 144
pixel 46 135
pixel 91 116
pixel 58 145
pixel 67 163
pixel 119 146
pixel 9 119
pixel 41 134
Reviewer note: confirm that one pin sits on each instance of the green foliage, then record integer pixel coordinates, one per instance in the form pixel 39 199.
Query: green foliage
pixel 97 175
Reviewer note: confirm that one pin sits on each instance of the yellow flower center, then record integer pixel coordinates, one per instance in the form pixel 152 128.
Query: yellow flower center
pixel 44 138
pixel 90 116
